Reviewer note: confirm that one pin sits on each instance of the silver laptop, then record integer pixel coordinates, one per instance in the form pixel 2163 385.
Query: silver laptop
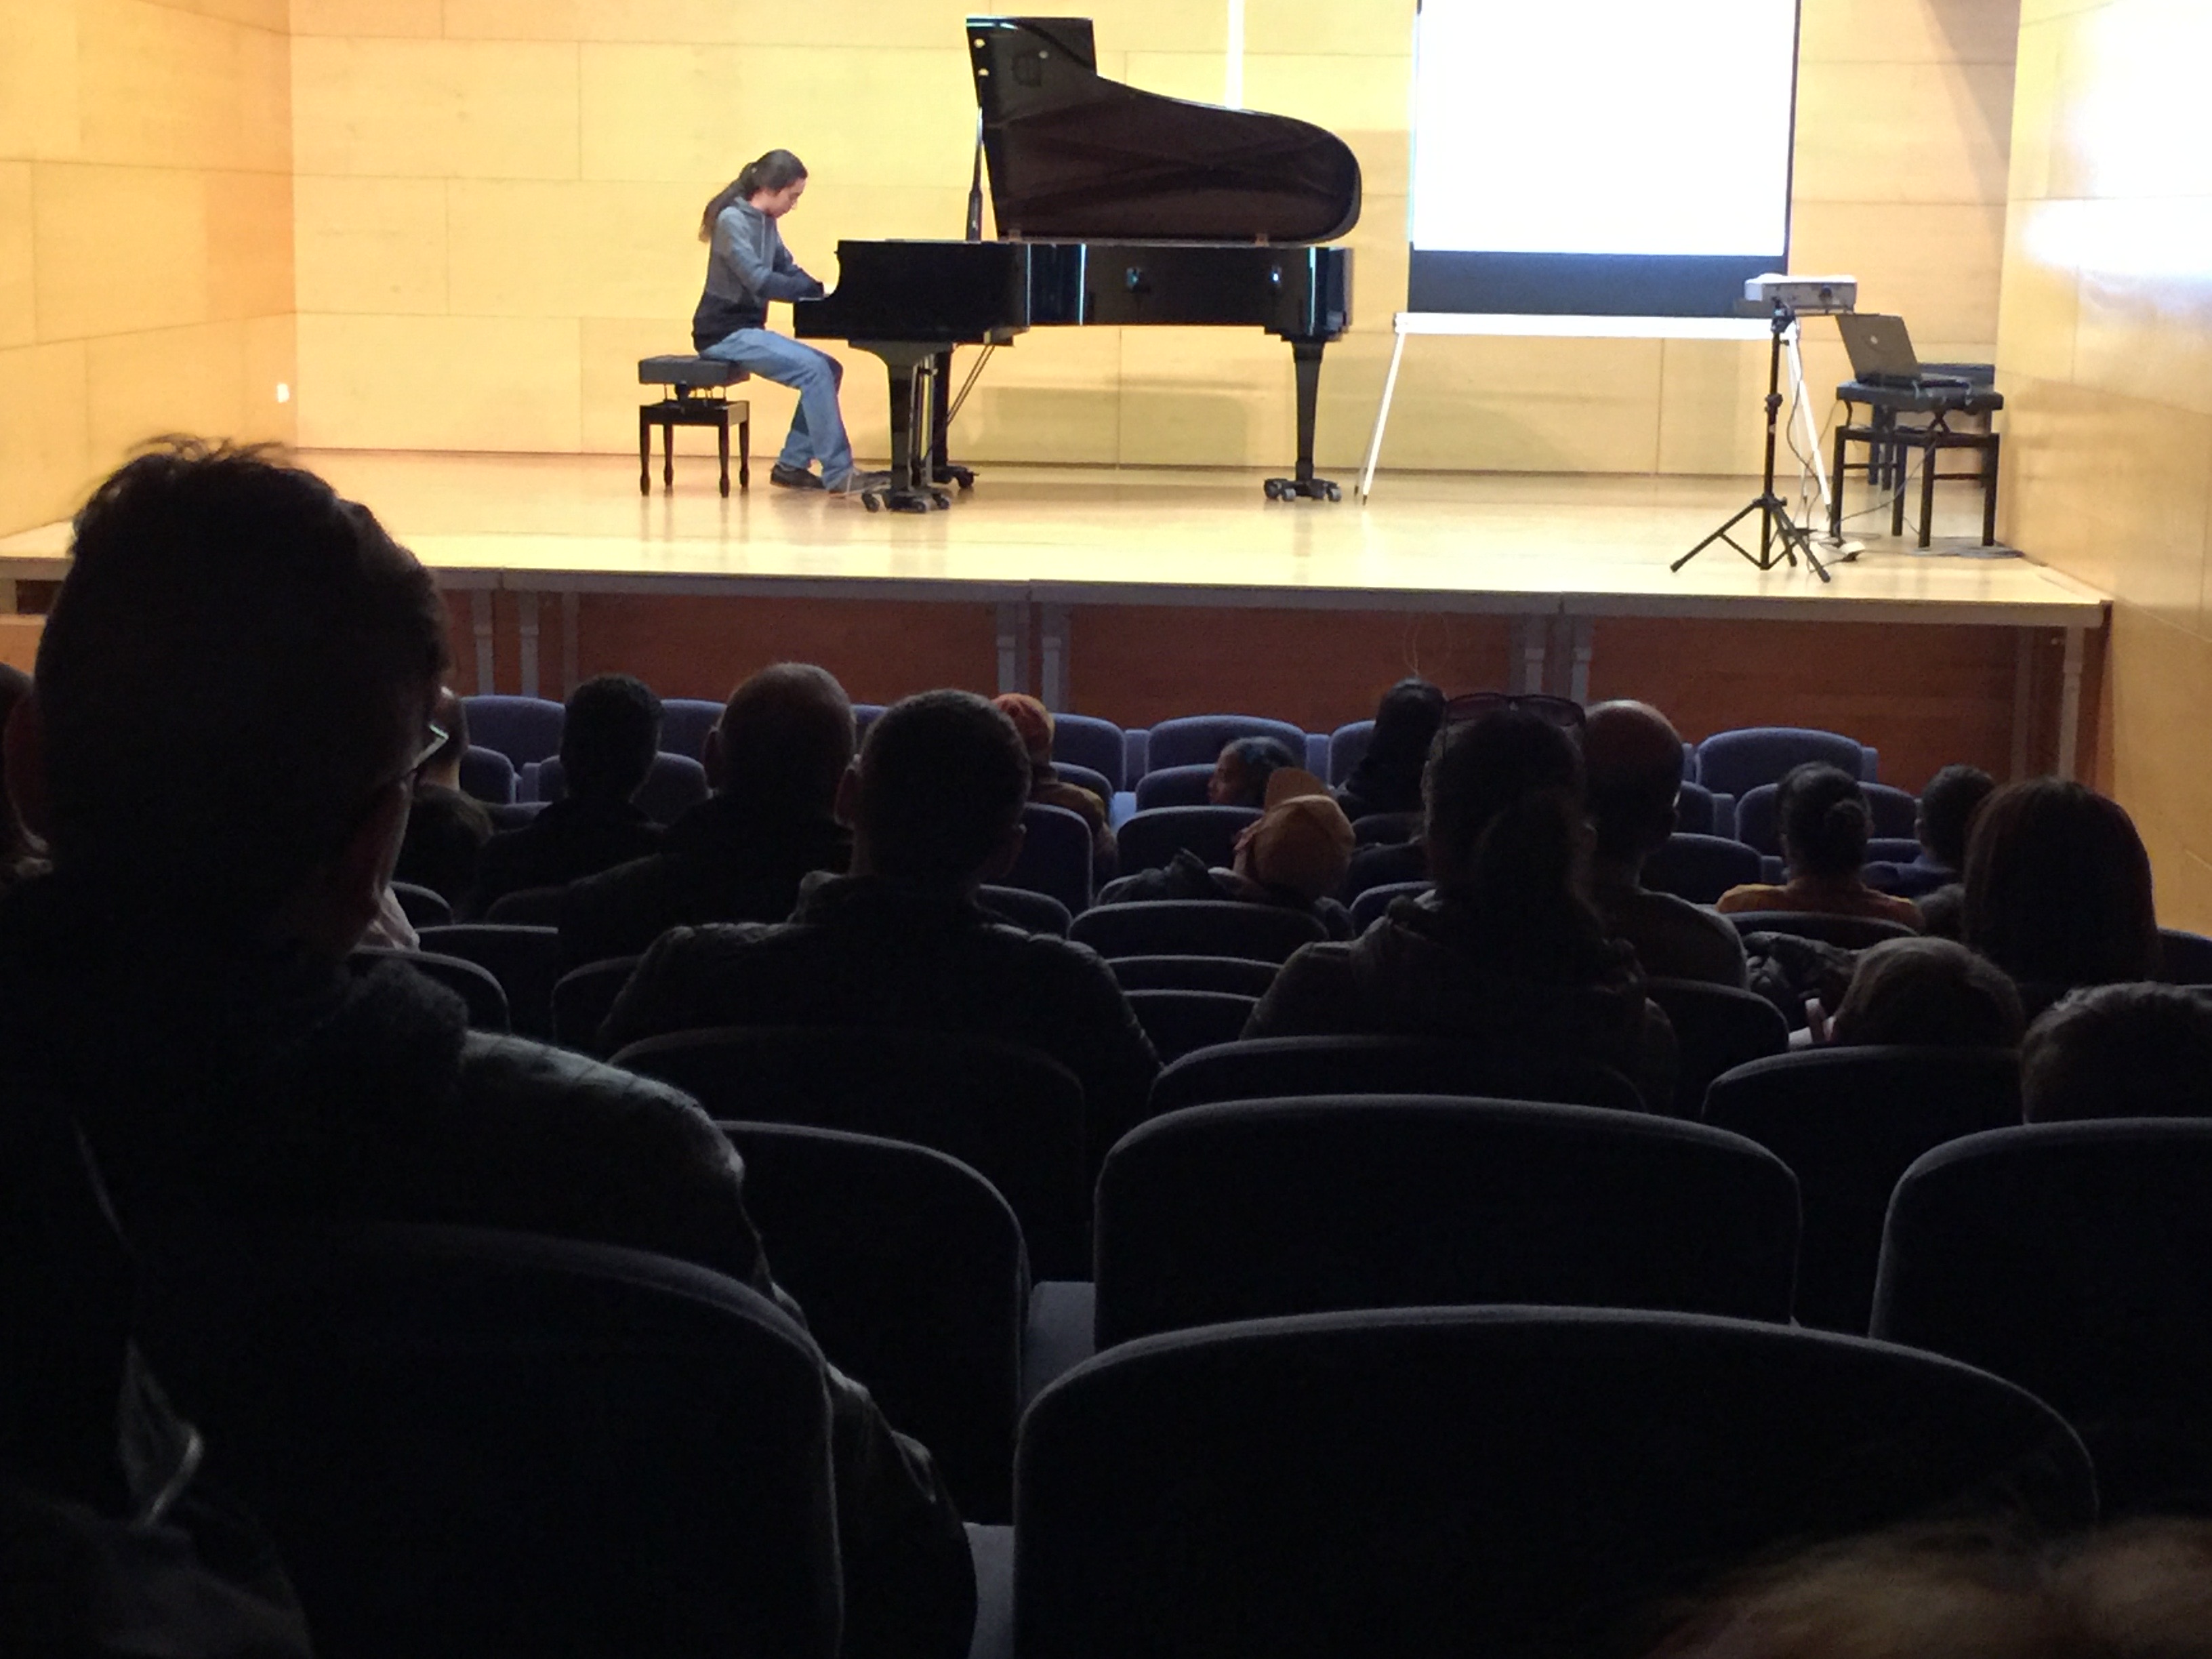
pixel 1881 352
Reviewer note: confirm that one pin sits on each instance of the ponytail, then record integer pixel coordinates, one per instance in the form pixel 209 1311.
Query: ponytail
pixel 777 170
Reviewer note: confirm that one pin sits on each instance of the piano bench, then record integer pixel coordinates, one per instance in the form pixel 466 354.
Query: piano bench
pixel 695 397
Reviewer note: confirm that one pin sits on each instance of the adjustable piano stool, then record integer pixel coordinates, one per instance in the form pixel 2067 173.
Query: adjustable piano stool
pixel 696 397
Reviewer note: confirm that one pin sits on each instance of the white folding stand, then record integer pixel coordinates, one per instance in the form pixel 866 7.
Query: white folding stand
pixel 1405 324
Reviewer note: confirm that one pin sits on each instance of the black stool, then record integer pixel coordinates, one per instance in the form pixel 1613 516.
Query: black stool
pixel 695 399
pixel 1888 441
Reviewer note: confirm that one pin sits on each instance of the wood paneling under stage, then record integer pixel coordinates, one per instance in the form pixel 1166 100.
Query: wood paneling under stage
pixel 1147 593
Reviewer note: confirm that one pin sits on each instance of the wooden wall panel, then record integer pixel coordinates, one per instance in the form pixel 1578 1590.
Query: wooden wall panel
pixel 626 114
pixel 146 234
pixel 2104 353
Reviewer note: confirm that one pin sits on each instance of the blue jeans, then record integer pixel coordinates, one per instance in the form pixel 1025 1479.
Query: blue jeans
pixel 818 431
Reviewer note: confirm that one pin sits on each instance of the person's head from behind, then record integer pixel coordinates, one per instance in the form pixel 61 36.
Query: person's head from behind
pixel 233 694
pixel 2058 887
pixel 1633 755
pixel 1822 816
pixel 2136 1590
pixel 772 183
pixel 783 741
pixel 1300 846
pixel 1929 993
pixel 1242 769
pixel 1034 723
pixel 610 733
pixel 2134 1050
pixel 1505 831
pixel 1946 811
pixel 936 801
pixel 450 715
pixel 1407 721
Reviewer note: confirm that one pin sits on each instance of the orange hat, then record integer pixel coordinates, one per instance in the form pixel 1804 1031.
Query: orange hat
pixel 1030 718
pixel 1303 840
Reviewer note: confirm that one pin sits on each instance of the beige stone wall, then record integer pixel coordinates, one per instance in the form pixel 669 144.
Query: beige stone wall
pixel 145 234
pixel 2105 355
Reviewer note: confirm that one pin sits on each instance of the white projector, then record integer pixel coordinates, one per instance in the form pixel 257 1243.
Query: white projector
pixel 1808 295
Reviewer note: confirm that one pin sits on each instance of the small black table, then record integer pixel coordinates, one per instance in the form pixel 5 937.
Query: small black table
pixel 1888 439
pixel 695 398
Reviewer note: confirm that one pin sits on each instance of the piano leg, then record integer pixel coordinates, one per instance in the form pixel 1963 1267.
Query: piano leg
pixel 912 370
pixel 941 470
pixel 1305 355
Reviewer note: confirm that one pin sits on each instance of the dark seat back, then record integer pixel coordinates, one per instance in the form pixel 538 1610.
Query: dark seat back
pixel 1088 741
pixel 523 729
pixel 1369 908
pixel 1495 1481
pixel 685 723
pixel 527 961
pixel 1055 856
pixel 1717 1028
pixel 1260 1208
pixel 424 907
pixel 1198 739
pixel 1848 933
pixel 2076 1260
pixel 1735 763
pixel 1033 913
pixel 529 907
pixel 1238 975
pixel 911 1270
pixel 1277 1068
pixel 488 775
pixel 1150 840
pixel 584 997
pixel 2184 959
pixel 1180 1022
pixel 1012 1113
pixel 474 986
pixel 1700 868
pixel 673 785
pixel 1849 1122
pixel 1174 785
pixel 464 1442
pixel 1204 927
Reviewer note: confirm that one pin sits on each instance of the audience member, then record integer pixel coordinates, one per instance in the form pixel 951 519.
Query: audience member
pixel 1634 757
pixel 610 733
pixel 1389 776
pixel 446 829
pixel 1825 822
pixel 1506 951
pixel 1047 788
pixel 21 853
pixel 2141 1590
pixel 935 806
pixel 2058 891
pixel 1241 772
pixel 2128 1050
pixel 1294 855
pixel 1930 992
pixel 1946 811
pixel 181 978
pixel 774 759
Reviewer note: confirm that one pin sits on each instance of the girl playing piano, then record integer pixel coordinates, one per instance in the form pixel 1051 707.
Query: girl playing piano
pixel 747 267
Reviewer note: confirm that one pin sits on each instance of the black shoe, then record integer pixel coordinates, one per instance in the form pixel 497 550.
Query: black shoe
pixel 793 477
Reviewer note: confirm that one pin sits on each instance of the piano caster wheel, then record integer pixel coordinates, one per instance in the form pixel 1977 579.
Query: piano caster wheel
pixel 963 477
pixel 1274 488
pixel 940 498
pixel 872 499
pixel 1333 492
pixel 1289 489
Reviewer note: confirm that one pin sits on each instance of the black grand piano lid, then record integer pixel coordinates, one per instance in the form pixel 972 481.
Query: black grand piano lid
pixel 1075 155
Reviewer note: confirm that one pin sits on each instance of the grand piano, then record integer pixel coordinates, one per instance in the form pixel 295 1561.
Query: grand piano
pixel 1114 207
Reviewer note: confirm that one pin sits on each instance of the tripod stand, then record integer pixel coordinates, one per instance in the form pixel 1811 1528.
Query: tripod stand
pixel 1780 537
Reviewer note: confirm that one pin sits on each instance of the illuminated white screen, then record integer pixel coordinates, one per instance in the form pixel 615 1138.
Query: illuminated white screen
pixel 1603 126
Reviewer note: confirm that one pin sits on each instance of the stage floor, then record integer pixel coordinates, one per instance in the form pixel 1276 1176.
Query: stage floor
pixel 1595 545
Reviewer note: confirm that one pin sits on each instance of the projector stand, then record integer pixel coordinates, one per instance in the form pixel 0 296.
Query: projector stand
pixel 1780 537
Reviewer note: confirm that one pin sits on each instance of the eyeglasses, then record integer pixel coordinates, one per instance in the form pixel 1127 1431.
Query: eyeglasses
pixel 1562 711
pixel 438 736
